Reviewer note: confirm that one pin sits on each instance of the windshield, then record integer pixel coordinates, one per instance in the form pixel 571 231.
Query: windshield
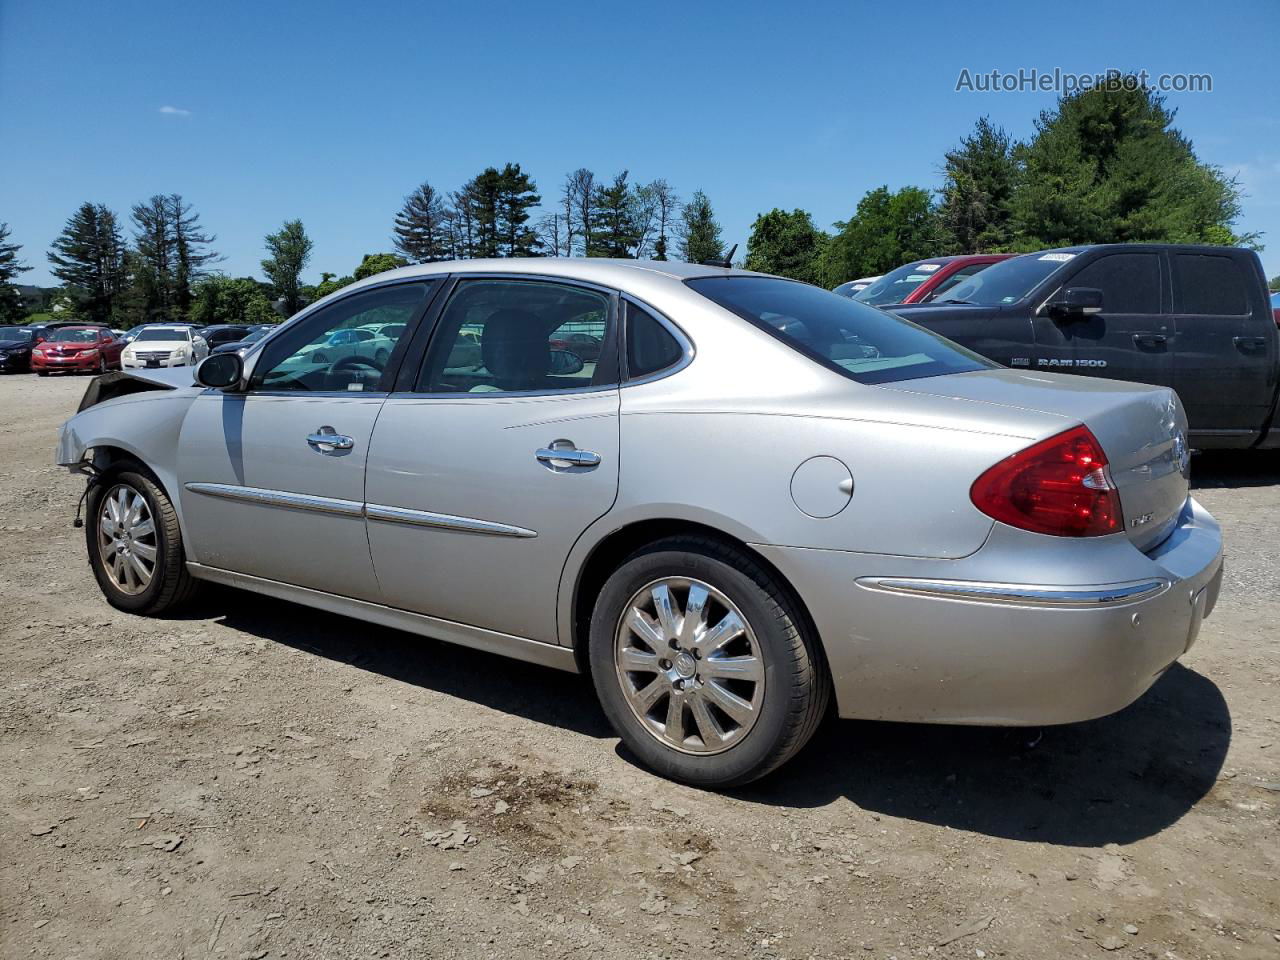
pixel 896 285
pixel 862 343
pixel 73 335
pixel 16 333
pixel 1007 281
pixel 166 334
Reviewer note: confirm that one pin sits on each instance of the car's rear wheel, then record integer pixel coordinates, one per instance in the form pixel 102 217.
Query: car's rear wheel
pixel 135 544
pixel 704 663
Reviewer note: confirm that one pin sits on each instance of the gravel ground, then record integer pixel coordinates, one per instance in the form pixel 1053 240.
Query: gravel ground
pixel 254 779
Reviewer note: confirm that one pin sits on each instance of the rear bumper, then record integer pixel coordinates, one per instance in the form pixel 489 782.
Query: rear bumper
pixel 978 641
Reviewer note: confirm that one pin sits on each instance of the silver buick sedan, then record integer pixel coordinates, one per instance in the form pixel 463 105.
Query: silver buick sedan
pixel 730 497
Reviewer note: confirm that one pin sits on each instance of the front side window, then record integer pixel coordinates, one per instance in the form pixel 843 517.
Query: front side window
pixel 516 336
pixel 1130 282
pixel 861 342
pixel 328 351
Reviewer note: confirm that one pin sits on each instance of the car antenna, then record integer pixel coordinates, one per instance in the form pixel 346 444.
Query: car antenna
pixel 727 261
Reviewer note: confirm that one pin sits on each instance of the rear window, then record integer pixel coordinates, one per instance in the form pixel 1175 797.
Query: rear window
pixel 1210 286
pixel 861 342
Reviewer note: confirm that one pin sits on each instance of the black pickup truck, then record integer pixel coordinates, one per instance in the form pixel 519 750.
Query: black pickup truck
pixel 1194 318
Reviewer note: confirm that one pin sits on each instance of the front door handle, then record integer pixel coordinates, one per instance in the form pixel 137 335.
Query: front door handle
pixel 562 454
pixel 1249 343
pixel 327 439
pixel 1150 339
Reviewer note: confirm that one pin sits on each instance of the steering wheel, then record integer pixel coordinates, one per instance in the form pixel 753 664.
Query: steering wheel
pixel 347 363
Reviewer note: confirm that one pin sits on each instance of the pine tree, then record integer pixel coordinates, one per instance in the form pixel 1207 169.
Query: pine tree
pixel 479 197
pixel 290 251
pixel 11 309
pixel 170 255
pixel 976 212
pixel 613 228
pixel 89 256
pixel 517 195
pixel 421 230
pixel 700 233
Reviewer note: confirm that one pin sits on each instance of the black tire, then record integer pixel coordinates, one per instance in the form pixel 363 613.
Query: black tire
pixel 42 373
pixel 797 682
pixel 171 585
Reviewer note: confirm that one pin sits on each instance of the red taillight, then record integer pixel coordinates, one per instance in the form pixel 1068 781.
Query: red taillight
pixel 1058 486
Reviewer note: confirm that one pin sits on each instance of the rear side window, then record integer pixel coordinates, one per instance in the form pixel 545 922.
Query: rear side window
pixel 851 338
pixel 1210 286
pixel 650 347
pixel 1130 282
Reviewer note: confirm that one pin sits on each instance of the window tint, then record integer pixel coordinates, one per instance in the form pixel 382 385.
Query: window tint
pixel 1130 282
pixel 861 342
pixel 511 336
pixel 896 285
pixel 1210 285
pixel 1009 280
pixel 326 351
pixel 650 347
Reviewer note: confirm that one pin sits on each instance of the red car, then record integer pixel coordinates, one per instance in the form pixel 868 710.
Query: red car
pixel 78 348
pixel 925 280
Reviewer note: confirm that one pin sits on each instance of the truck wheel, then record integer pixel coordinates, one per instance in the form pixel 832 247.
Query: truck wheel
pixel 704 665
pixel 134 543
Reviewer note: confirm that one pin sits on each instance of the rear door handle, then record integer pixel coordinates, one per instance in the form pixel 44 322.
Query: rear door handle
pixel 327 439
pixel 562 454
pixel 1249 343
pixel 1149 339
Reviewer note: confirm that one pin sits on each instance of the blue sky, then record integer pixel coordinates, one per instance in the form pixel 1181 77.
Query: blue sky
pixel 332 112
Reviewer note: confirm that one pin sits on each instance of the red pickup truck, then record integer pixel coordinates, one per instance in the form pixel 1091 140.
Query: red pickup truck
pixel 921 281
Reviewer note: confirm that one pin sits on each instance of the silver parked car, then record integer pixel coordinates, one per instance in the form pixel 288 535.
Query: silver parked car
pixel 752 497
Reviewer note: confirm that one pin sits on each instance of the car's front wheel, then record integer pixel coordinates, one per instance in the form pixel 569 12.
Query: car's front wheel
pixel 704 663
pixel 135 544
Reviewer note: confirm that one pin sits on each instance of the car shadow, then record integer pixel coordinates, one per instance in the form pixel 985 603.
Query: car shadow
pixel 1113 780
pixel 536 693
pixel 1235 468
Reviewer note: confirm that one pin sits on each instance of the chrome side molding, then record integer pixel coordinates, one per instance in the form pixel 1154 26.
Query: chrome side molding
pixel 350 508
pixel 279 498
pixel 444 521
pixel 1016 593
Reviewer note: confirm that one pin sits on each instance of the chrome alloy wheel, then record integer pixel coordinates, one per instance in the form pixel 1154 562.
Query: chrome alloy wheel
pixel 689 665
pixel 127 539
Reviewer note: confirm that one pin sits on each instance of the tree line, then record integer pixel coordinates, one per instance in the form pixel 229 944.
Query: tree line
pixel 1106 165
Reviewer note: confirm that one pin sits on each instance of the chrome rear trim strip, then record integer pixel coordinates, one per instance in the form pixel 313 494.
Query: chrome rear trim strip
pixel 508 645
pixel 1014 593
pixel 443 521
pixel 279 498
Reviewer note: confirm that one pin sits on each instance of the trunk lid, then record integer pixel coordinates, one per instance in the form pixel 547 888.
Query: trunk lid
pixel 1142 429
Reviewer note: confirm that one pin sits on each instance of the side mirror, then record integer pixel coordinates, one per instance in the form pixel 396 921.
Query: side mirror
pixel 1076 302
pixel 220 371
pixel 564 363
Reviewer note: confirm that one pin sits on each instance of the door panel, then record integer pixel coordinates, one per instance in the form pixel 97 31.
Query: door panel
pixel 258 498
pixel 1226 363
pixel 480 528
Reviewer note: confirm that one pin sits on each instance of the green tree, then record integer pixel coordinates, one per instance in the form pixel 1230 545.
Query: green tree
pixel 222 299
pixel 377 263
pixel 976 212
pixel 329 282
pixel 887 230
pixel 786 244
pixel 613 230
pixel 421 226
pixel 171 252
pixel 1108 166
pixel 290 252
pixel 88 256
pixel 1274 284
pixel 699 231
pixel 517 196
pixel 11 309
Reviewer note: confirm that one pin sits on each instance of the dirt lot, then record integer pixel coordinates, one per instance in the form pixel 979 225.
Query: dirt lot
pixel 255 779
